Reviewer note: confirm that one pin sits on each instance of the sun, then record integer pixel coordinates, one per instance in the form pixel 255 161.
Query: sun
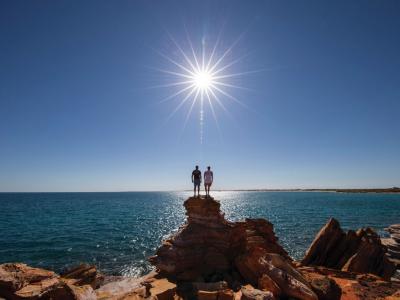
pixel 202 77
pixel 203 80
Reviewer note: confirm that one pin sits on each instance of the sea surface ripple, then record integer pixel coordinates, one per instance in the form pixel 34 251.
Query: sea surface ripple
pixel 118 231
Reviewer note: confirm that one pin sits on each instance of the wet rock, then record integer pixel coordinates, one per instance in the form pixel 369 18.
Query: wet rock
pixel 360 251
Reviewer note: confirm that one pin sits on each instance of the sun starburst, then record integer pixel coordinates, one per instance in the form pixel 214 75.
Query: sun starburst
pixel 201 79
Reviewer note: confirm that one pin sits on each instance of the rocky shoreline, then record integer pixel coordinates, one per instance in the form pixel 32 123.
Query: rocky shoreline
pixel 211 258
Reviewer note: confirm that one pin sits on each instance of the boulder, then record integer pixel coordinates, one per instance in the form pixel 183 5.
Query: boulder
pixel 248 292
pixel 325 287
pixel 291 283
pixel 226 294
pixel 360 251
pixel 19 281
pixel 14 276
pixel 83 274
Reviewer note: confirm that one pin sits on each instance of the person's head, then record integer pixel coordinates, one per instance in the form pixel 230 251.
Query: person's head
pixel 197 167
pixel 208 168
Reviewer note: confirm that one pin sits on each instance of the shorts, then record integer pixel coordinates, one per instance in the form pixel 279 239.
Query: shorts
pixel 207 183
pixel 196 182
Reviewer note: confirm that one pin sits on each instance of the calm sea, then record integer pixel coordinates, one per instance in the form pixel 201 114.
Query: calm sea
pixel 118 231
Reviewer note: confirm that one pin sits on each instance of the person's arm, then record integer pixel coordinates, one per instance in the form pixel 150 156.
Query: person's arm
pixel 192 176
pixel 212 177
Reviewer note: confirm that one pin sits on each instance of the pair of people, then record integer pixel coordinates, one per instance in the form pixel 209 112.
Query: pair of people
pixel 208 180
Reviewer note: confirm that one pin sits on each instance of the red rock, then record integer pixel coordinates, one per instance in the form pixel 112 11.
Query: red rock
pixel 254 264
pixel 162 289
pixel 226 294
pixel 14 276
pixel 266 283
pixel 250 293
pixel 84 274
pixel 208 244
pixel 207 295
pixel 355 286
pixel 325 287
pixel 360 251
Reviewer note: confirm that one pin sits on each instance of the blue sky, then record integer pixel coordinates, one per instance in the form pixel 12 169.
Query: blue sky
pixel 79 111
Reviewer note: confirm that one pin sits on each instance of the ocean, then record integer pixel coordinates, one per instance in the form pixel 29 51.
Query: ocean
pixel 118 231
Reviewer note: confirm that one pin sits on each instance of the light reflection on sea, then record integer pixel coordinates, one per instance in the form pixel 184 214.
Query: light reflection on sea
pixel 118 231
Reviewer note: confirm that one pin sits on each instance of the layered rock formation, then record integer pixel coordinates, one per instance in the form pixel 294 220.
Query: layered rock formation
pixel 210 258
pixel 393 244
pixel 210 248
pixel 360 251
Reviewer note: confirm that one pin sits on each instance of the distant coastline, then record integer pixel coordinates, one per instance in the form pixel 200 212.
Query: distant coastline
pixel 378 190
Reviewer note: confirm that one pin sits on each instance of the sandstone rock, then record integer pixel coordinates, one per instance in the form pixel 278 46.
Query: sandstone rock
pixel 250 293
pixel 393 244
pixel 14 276
pixel 162 289
pixel 208 244
pixel 84 292
pixel 83 274
pixel 354 286
pixel 360 251
pixel 226 294
pixel 19 281
pixel 207 295
pixel 120 289
pixel 254 264
pixel 325 287
pixel 266 283
pixel 210 286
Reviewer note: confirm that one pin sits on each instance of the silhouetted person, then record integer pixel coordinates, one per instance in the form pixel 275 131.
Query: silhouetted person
pixel 196 179
pixel 208 180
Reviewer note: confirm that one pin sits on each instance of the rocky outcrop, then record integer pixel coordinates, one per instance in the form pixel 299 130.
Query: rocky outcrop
pixel 207 244
pixel 19 281
pixel 331 284
pixel 210 248
pixel 393 244
pixel 360 251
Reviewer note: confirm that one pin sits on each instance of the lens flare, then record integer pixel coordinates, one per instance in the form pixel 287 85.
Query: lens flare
pixel 202 78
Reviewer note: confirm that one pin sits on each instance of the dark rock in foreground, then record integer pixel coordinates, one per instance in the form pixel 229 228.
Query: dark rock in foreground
pixel 360 251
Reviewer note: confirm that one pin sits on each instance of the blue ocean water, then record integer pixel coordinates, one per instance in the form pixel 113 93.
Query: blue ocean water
pixel 118 231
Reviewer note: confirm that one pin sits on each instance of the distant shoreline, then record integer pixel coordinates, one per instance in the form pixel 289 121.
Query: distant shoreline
pixel 393 190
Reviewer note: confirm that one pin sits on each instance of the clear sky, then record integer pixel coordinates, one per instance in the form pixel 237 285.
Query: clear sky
pixel 80 110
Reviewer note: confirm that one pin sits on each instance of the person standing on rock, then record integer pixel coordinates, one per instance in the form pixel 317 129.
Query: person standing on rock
pixel 196 179
pixel 208 180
